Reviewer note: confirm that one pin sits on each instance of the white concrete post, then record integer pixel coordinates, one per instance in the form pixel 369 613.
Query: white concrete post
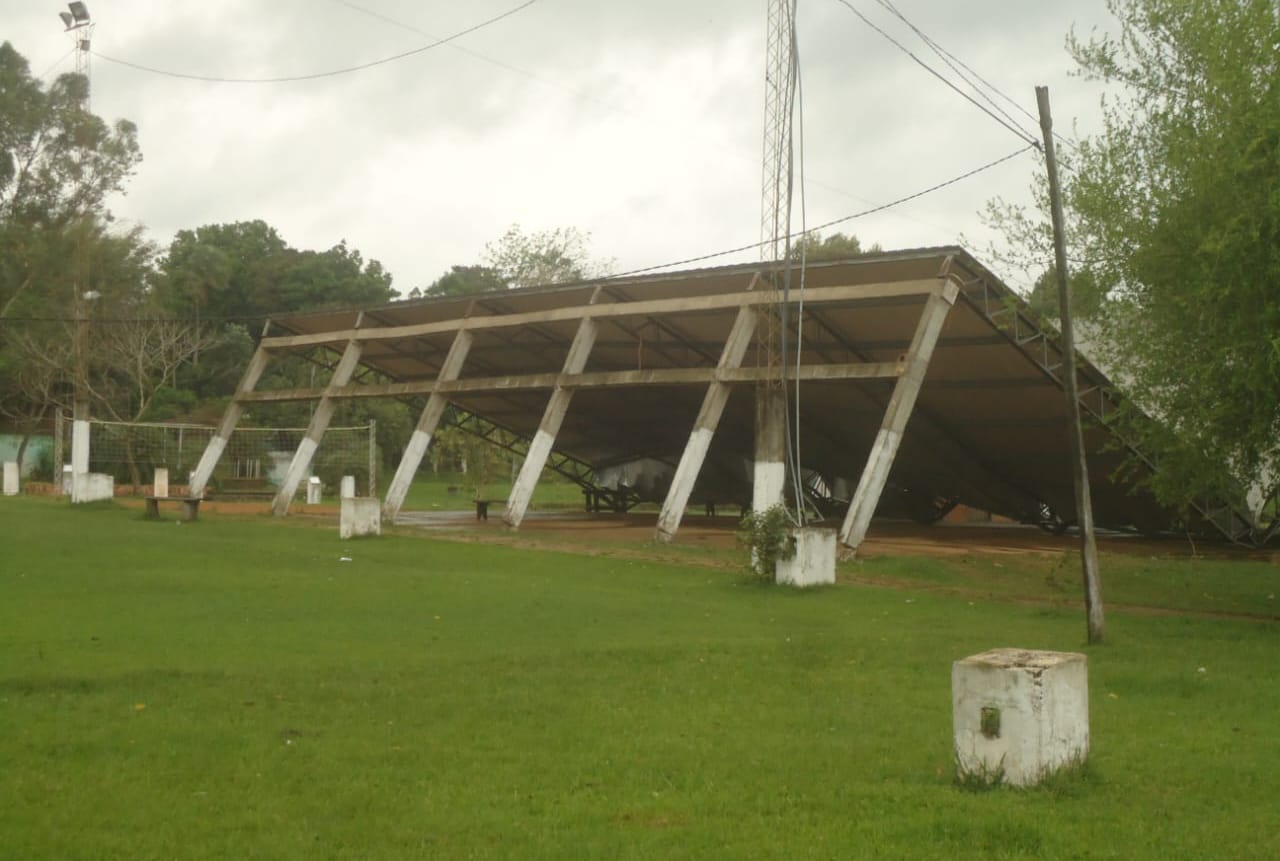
pixel 704 427
pixel 79 458
pixel 348 487
pixel 315 492
pixel 552 417
pixel 426 428
pixel 230 418
pixel 770 469
pixel 160 482
pixel 1019 715
pixel 301 463
pixel 358 516
pixel 10 478
pixel 876 473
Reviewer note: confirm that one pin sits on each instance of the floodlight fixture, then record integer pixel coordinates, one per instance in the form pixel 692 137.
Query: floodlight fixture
pixel 66 19
pixel 79 12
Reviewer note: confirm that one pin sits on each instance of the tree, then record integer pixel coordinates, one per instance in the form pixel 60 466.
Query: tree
pixel 58 164
pixel 837 246
pixel 464 280
pixel 1174 211
pixel 544 257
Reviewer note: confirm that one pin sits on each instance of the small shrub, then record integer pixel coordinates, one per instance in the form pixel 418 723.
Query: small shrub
pixel 767 536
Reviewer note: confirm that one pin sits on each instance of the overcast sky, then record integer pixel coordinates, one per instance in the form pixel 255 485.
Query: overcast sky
pixel 639 122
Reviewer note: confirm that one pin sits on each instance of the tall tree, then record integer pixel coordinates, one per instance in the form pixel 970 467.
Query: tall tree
pixel 1174 211
pixel 836 246
pixel 58 165
pixel 555 256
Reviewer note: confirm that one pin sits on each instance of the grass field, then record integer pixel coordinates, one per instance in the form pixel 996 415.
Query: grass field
pixel 234 689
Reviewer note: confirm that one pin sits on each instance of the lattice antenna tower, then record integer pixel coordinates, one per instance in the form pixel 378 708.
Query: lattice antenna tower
pixel 775 209
pixel 79 27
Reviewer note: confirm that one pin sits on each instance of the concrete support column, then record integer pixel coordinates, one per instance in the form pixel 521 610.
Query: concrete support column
pixel 300 466
pixel 704 427
pixel 426 428
pixel 230 418
pixel 770 472
pixel 880 461
pixel 552 417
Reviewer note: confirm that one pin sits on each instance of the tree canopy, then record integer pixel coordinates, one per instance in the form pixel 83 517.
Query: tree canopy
pixel 1174 233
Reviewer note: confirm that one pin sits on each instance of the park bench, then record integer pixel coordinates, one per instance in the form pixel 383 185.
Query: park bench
pixel 190 506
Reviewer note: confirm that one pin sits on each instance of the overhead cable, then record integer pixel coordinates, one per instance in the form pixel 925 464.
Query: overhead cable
pixel 329 74
pixel 1022 135
pixel 833 222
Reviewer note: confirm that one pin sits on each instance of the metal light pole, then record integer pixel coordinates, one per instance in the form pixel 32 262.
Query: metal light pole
pixel 77 23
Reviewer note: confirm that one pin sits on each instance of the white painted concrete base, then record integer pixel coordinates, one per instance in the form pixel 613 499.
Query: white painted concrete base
pixel 348 487
pixel 65 487
pixel 313 490
pixel 815 561
pixel 361 515
pixel 1020 715
pixel 160 482
pixel 770 477
pixel 10 478
pixel 92 487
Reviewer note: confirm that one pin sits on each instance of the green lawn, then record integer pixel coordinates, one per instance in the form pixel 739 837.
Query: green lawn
pixel 429 493
pixel 233 689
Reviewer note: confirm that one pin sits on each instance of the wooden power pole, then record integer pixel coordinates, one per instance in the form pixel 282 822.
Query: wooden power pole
pixel 1080 465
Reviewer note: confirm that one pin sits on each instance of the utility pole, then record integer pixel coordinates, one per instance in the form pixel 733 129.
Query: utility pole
pixel 79 26
pixel 1080 465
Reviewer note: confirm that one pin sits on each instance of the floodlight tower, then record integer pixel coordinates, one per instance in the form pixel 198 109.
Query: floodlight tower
pixel 775 228
pixel 77 24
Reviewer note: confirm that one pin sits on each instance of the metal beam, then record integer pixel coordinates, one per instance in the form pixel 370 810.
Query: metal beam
pixel 643 308
pixel 426 427
pixel 880 460
pixel 230 418
pixel 552 417
pixel 319 423
pixel 704 428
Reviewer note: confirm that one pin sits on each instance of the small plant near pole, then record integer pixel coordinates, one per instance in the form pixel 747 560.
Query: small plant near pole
pixel 767 535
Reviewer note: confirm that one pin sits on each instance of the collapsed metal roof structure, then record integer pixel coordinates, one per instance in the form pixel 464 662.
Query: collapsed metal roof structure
pixel 924 382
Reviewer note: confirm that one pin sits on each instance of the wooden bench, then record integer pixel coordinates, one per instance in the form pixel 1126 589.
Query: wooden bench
pixel 482 509
pixel 190 506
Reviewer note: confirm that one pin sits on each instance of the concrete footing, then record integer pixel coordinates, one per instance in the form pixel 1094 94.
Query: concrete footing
pixel 814 562
pixel 160 482
pixel 92 487
pixel 1019 715
pixel 10 478
pixel 361 515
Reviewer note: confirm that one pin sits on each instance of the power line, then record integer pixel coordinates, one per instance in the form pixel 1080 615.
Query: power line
pixel 751 246
pixel 1022 135
pixel 947 57
pixel 834 222
pixel 57 63
pixel 329 74
pixel 955 64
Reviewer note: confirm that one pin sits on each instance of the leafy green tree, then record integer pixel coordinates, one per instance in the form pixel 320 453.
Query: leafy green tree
pixel 815 247
pixel 543 257
pixel 1174 233
pixel 464 280
pixel 58 164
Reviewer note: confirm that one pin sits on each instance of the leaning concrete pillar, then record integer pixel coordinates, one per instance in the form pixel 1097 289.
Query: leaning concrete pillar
pixel 301 463
pixel 230 418
pixel 426 428
pixel 704 428
pixel 880 461
pixel 552 417
pixel 770 470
